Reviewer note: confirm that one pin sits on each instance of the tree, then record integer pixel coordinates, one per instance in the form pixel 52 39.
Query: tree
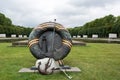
pixel 102 27
pixel 6 27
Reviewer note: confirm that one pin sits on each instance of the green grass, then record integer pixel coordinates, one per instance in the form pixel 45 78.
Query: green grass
pixel 97 62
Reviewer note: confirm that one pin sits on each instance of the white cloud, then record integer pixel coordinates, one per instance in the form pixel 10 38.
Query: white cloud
pixel 70 13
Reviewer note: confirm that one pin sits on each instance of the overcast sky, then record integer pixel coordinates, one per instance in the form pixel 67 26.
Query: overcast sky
pixel 69 13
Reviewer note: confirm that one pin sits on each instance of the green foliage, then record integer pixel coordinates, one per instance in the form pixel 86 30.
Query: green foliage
pixel 4 20
pixel 6 27
pixel 102 27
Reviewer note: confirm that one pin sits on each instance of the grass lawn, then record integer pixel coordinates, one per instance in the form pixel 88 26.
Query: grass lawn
pixel 96 60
